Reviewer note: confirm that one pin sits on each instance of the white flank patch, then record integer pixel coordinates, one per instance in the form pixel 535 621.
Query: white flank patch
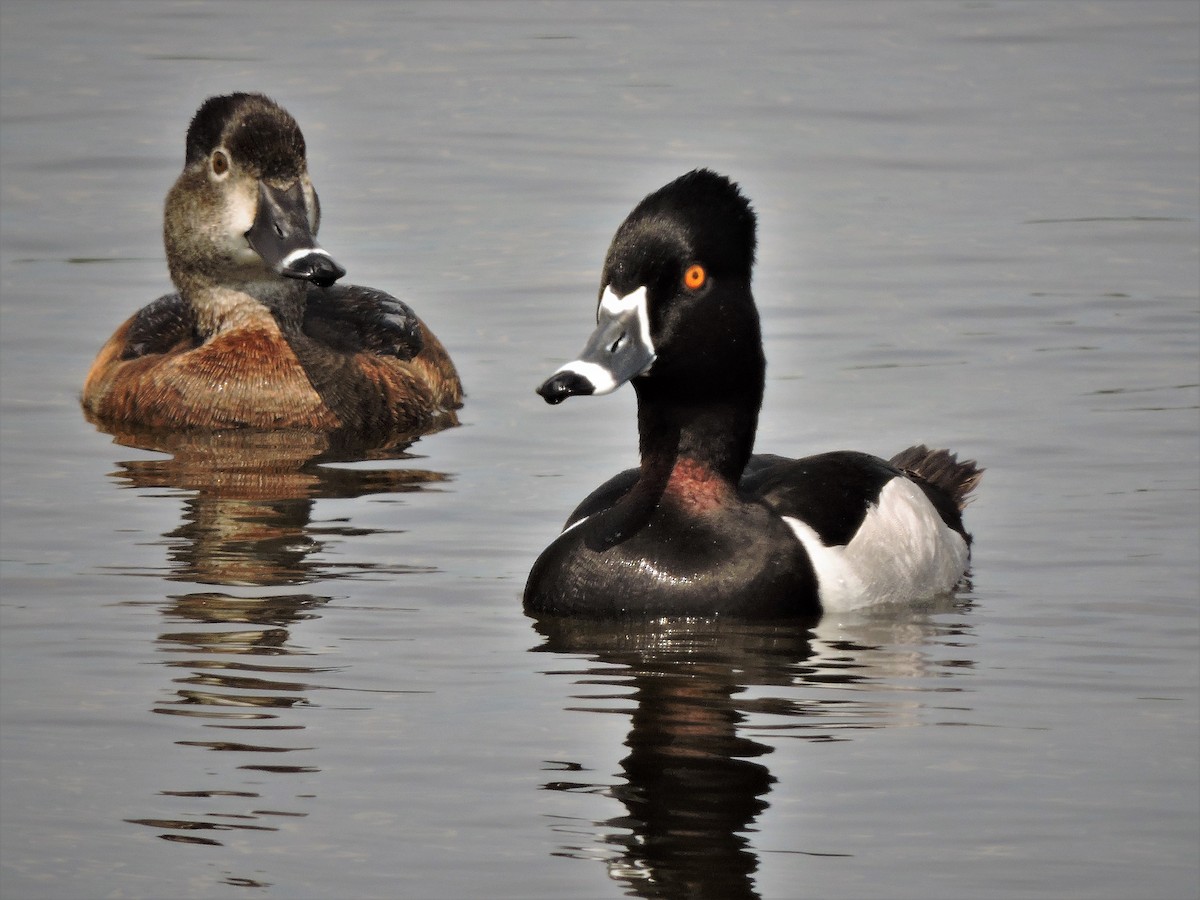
pixel 902 552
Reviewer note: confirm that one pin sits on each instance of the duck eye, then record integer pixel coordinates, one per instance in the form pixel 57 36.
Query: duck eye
pixel 694 277
pixel 219 162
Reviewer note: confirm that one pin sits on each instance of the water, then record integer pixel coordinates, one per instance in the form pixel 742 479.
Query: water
pixel 248 672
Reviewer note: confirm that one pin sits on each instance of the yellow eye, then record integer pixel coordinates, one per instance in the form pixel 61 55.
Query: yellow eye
pixel 694 277
pixel 220 162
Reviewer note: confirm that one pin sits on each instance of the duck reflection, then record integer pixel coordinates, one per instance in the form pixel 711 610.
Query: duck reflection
pixel 693 784
pixel 234 684
pixel 249 495
pixel 248 499
pixel 238 694
pixel 692 790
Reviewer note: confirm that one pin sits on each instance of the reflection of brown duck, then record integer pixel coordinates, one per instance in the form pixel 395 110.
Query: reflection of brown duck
pixel 240 685
pixel 256 335
pixel 690 791
pixel 250 497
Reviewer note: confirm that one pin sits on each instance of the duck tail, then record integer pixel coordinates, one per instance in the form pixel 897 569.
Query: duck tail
pixel 942 470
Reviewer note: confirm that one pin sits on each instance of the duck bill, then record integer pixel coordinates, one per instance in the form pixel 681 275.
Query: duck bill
pixel 281 235
pixel 618 350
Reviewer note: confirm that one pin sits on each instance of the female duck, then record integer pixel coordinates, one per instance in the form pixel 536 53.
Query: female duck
pixel 256 336
pixel 703 527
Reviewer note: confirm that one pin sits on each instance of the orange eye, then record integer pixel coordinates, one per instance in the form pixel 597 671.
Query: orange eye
pixel 220 162
pixel 694 277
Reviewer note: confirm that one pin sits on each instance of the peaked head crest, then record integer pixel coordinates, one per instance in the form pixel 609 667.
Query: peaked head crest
pixel 705 212
pixel 253 128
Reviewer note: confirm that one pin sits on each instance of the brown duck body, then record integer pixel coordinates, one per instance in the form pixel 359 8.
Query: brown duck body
pixel 324 375
pixel 258 336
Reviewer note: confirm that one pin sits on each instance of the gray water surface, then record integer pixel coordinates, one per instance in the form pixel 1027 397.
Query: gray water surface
pixel 255 671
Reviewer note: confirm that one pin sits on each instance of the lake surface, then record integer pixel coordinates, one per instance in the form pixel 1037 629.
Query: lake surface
pixel 251 671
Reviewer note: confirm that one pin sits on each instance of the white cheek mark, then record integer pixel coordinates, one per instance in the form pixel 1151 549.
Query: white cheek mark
pixel 239 219
pixel 240 213
pixel 597 376
pixel 902 552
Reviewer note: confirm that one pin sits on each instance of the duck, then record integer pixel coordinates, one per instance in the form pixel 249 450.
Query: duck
pixel 257 333
pixel 703 527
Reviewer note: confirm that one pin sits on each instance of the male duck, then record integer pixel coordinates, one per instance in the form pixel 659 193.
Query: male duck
pixel 256 336
pixel 703 527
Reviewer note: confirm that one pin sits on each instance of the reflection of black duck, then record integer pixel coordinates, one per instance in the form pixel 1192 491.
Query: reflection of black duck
pixel 691 791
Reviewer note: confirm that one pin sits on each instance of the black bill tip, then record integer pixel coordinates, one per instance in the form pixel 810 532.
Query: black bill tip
pixel 317 267
pixel 561 385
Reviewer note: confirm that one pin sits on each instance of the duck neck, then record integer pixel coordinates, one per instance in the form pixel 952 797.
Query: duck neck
pixel 694 445
pixel 228 307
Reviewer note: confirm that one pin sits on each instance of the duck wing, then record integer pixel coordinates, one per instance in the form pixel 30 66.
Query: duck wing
pixel 604 496
pixel 159 327
pixel 830 492
pixel 351 319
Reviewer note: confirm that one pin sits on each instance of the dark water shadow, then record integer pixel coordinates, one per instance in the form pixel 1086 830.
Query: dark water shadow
pixel 238 664
pixel 695 779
